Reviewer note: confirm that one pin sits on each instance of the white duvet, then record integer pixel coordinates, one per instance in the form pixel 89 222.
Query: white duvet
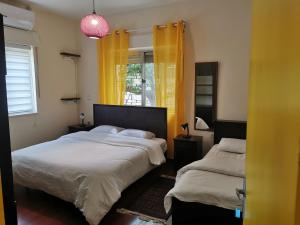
pixel 217 161
pixel 88 169
pixel 212 180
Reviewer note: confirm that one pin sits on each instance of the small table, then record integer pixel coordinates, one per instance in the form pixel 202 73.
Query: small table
pixel 79 127
pixel 187 150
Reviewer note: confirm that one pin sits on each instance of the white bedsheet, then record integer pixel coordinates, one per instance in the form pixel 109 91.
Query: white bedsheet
pixel 218 161
pixel 212 180
pixel 88 169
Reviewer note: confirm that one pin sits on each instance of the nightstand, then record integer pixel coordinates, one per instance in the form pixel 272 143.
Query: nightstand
pixel 187 150
pixel 76 128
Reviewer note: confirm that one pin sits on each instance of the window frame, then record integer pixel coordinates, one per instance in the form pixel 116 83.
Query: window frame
pixel 143 52
pixel 33 79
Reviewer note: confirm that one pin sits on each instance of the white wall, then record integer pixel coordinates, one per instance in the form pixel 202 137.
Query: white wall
pixel 56 80
pixel 217 30
pixel 88 76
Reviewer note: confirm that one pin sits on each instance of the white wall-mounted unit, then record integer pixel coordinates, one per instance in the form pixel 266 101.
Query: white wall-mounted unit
pixel 17 17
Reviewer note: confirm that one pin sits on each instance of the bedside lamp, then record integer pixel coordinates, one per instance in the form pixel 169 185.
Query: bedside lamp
pixel 185 126
pixel 201 124
pixel 82 116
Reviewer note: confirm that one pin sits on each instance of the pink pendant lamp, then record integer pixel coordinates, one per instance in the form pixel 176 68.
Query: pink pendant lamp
pixel 94 26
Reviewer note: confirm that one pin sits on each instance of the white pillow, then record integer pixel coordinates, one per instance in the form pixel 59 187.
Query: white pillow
pixel 232 145
pixel 107 129
pixel 137 133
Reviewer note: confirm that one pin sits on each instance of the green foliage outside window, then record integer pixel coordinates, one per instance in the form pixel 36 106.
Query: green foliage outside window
pixel 134 78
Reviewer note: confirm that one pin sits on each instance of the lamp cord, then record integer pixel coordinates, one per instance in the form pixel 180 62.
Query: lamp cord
pixel 94 11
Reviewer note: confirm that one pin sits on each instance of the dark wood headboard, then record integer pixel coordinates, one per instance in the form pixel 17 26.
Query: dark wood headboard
pixel 229 129
pixel 135 117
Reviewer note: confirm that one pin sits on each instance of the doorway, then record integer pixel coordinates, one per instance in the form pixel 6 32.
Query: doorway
pixel 9 203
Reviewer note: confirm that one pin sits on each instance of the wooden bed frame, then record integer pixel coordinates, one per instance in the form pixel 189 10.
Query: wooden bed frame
pixel 144 118
pixel 192 213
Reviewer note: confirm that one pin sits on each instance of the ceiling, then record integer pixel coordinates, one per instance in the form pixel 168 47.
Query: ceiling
pixel 79 8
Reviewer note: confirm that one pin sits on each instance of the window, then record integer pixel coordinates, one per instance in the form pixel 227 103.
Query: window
pixel 20 80
pixel 140 82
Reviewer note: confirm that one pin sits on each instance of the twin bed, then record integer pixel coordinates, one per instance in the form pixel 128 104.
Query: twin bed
pixel 205 191
pixel 91 169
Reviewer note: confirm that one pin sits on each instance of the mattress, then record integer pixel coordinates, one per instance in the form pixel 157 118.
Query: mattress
pixel 212 180
pixel 88 169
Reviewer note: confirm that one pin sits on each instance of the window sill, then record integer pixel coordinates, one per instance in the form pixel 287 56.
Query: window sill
pixel 23 114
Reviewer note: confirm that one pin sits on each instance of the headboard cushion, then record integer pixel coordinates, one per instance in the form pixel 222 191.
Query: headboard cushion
pixel 229 129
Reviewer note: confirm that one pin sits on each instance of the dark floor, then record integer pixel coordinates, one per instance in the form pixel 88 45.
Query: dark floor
pixel 38 208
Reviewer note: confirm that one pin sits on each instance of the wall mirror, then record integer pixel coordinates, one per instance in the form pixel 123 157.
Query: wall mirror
pixel 206 84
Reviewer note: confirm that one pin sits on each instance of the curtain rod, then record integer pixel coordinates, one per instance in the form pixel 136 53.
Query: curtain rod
pixel 148 29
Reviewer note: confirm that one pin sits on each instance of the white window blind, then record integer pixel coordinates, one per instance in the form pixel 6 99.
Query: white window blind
pixel 20 80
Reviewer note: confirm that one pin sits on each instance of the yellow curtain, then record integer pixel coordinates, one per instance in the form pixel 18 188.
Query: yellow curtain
pixel 168 70
pixel 113 58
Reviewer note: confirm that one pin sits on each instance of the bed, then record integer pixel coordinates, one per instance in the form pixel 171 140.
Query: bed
pixel 205 190
pixel 91 169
